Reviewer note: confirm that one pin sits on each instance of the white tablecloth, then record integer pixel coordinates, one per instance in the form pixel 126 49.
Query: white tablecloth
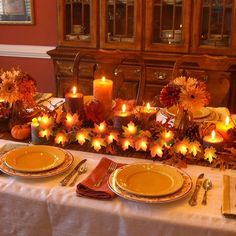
pixel 42 207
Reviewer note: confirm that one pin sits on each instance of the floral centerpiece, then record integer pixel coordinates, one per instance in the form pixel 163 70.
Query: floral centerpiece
pixel 188 95
pixel 17 91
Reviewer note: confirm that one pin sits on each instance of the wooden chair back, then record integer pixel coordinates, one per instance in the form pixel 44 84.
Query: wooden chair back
pixel 109 64
pixel 215 70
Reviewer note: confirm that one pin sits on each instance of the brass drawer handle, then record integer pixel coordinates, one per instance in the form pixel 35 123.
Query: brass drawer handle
pixel 160 75
pixel 117 71
pixel 137 71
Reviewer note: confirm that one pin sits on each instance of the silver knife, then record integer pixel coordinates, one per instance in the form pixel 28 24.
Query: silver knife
pixel 64 181
pixel 193 200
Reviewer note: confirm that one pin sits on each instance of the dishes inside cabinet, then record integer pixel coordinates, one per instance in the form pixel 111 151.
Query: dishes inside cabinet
pixel 171 36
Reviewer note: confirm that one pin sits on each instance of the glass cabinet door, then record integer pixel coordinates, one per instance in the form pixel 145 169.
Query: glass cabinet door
pixel 214 21
pixel 78 22
pixel 120 22
pixel 167 25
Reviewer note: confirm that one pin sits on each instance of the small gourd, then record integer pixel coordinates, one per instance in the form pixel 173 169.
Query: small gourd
pixel 20 132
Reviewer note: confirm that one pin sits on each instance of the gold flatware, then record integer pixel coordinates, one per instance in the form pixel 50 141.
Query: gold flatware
pixel 81 171
pixel 207 185
pixel 193 199
pixel 110 169
pixel 65 181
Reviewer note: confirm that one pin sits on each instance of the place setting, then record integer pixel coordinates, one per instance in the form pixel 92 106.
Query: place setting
pixel 36 161
pixel 140 182
pixel 150 183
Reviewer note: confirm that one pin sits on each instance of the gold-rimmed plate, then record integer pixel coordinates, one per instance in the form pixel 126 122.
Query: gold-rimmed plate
pixel 34 158
pixel 181 193
pixel 147 179
pixel 202 113
pixel 32 175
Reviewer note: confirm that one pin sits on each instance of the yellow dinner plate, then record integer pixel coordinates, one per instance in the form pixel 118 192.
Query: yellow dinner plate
pixel 203 112
pixel 149 179
pixel 35 158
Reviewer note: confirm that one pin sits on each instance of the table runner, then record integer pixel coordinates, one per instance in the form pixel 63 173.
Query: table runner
pixel 43 207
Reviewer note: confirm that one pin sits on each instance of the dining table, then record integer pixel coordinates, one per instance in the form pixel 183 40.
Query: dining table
pixel 41 206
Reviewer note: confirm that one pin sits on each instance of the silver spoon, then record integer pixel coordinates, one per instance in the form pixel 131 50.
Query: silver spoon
pixel 207 185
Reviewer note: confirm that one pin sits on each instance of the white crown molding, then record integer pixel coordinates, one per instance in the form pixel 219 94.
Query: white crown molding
pixel 30 51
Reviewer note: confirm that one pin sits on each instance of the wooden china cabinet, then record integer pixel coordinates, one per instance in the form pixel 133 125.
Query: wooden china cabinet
pixel 157 31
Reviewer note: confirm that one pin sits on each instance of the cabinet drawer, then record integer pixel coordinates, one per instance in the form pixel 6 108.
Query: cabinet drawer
pixel 130 73
pixel 158 75
pixel 65 68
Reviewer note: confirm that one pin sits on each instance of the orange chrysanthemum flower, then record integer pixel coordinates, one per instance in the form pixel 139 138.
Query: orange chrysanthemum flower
pixel 193 98
pixel 9 90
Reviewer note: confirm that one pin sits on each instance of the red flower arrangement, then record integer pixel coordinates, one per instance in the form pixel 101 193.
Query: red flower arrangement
pixel 187 93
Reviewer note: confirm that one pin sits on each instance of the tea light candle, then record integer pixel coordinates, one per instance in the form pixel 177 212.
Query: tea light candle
pixel 35 137
pixel 213 140
pixel 223 127
pixel 147 112
pixel 103 91
pixel 74 102
pixel 121 118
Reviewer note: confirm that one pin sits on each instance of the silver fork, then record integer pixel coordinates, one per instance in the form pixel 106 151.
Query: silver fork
pixel 81 171
pixel 110 169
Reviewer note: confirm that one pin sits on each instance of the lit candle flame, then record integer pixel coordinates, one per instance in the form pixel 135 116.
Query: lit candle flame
pixel 101 127
pixel 103 78
pixel 74 90
pixel 123 108
pixel 44 133
pixel 148 106
pixel 168 134
pixel 213 135
pixel 227 121
pixel 60 139
pixel 159 151
pixel 126 144
pixel 69 118
pixel 44 119
pixel 110 138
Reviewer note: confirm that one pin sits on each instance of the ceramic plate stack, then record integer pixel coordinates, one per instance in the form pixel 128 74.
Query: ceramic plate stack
pixel 205 114
pixel 36 161
pixel 150 183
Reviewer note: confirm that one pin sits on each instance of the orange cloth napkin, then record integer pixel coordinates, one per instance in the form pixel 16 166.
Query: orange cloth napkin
pixel 87 189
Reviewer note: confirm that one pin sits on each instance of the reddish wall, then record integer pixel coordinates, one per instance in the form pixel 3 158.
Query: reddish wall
pixel 39 69
pixel 44 33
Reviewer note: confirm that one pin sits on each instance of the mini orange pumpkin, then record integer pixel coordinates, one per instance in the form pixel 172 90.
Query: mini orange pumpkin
pixel 20 132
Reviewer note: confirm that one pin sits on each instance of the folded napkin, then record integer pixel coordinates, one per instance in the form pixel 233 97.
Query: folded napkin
pixel 229 196
pixel 87 189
